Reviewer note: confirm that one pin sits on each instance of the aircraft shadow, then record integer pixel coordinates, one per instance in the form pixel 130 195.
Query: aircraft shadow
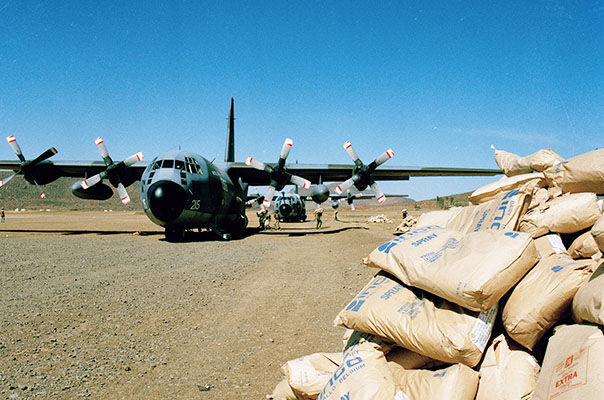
pixel 82 232
pixel 308 231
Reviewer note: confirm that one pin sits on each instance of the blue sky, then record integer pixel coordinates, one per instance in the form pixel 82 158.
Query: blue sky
pixel 438 82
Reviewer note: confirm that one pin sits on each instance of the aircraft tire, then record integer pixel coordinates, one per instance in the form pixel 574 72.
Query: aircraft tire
pixel 175 234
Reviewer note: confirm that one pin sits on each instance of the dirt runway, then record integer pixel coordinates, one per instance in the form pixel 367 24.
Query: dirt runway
pixel 98 305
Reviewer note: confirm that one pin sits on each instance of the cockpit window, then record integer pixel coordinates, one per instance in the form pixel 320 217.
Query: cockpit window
pixel 156 165
pixel 192 165
pixel 168 164
pixel 179 165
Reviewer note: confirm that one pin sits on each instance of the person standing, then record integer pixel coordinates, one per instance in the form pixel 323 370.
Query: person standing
pixel 2 215
pixel 319 217
pixel 277 222
pixel 261 216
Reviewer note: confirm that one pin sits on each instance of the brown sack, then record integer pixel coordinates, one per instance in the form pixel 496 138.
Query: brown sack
pixel 308 375
pixel 505 184
pixel 457 382
pixel 418 321
pixel 584 246
pixel 542 296
pixel 583 173
pixel 407 359
pixel 566 214
pixel 550 244
pixel 282 392
pixel 507 373
pixel 363 375
pixel 504 212
pixel 573 367
pixel 473 270
pixel 598 232
pixel 588 303
pixel 440 217
pixel 512 164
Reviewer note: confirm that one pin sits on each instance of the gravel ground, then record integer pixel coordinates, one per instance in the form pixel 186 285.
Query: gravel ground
pixel 98 305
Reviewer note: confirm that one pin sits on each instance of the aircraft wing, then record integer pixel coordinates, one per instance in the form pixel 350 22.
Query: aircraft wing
pixel 341 172
pixel 77 169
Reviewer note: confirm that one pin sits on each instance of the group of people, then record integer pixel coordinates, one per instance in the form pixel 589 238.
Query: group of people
pixel 264 218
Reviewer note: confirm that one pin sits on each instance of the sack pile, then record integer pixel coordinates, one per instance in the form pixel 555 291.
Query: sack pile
pixel 478 302
pixel 406 225
pixel 380 219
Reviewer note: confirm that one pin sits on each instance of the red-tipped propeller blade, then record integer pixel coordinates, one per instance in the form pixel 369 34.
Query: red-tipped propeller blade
pixel 351 152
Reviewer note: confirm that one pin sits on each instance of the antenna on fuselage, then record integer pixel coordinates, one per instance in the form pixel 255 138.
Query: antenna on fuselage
pixel 229 154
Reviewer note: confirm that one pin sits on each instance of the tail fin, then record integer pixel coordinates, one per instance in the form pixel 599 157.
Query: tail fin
pixel 229 154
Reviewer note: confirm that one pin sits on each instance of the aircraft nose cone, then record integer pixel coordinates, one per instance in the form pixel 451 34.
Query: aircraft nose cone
pixel 285 209
pixel 166 200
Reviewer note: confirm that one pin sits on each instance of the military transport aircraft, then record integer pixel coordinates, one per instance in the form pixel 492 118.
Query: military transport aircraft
pixel 182 190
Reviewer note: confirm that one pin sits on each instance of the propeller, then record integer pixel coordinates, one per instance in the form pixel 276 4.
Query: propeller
pixel 278 175
pixel 27 167
pixel 361 177
pixel 113 170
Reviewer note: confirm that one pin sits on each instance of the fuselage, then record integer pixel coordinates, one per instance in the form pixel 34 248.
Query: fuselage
pixel 183 190
pixel 290 207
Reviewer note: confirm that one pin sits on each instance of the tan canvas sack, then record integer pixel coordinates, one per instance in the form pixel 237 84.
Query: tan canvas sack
pixel 588 303
pixel 506 184
pixel 566 214
pixel 584 246
pixel 282 392
pixel 572 368
pixel 549 244
pixel 473 270
pixel 308 375
pixel 542 296
pixel 504 212
pixel 507 373
pixel 598 232
pixel 583 173
pixel 440 217
pixel 400 356
pixel 363 375
pixel 407 359
pixel 512 164
pixel 418 321
pixel 457 382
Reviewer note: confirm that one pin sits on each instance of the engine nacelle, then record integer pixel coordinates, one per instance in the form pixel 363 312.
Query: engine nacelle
pixel 100 191
pixel 320 193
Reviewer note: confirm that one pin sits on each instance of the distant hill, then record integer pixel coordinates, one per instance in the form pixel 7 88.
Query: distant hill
pixel 18 193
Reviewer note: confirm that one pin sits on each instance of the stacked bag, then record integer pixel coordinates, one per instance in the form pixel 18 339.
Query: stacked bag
pixel 468 300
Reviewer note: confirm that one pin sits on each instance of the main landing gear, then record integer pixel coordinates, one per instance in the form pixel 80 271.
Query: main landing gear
pixel 175 234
